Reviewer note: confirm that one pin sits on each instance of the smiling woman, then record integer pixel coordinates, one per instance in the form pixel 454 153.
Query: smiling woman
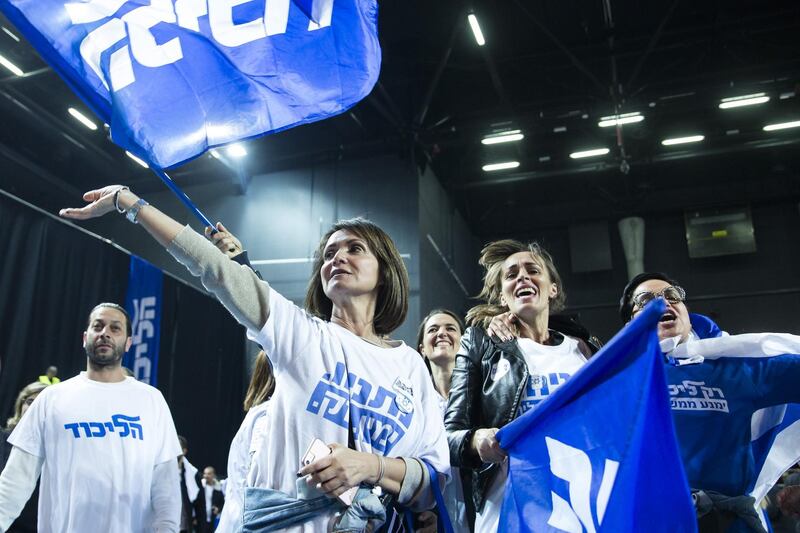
pixel 495 380
pixel 379 434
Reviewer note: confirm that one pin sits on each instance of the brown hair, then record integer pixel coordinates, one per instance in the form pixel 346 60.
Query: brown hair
pixel 262 383
pixel 392 301
pixel 29 390
pixel 492 257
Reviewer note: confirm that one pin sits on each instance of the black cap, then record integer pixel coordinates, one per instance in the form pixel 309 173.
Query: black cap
pixel 626 303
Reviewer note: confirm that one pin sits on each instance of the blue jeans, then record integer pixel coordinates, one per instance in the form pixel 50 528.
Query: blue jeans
pixel 272 510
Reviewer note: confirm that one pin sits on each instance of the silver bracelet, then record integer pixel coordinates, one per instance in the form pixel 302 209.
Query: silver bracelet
pixel 133 212
pixel 381 470
pixel 116 199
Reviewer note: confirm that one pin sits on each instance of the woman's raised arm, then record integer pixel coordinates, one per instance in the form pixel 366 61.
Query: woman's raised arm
pixel 237 287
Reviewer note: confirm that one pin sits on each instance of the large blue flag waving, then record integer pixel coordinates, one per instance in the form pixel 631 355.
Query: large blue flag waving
pixel 176 77
pixel 600 453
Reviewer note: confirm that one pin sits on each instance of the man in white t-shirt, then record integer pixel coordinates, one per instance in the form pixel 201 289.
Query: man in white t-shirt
pixel 104 445
pixel 213 500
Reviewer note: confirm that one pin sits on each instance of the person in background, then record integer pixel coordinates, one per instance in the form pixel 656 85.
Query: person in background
pixel 438 340
pixel 242 469
pixel 99 440
pixel 213 501
pixel 26 521
pixel 493 382
pixel 189 482
pixel 49 377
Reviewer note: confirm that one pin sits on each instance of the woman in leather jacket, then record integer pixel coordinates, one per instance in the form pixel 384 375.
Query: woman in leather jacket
pixel 495 381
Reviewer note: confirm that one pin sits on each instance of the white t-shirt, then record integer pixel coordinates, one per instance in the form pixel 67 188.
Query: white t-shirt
pixel 393 403
pixel 453 493
pixel 239 466
pixel 548 368
pixel 100 443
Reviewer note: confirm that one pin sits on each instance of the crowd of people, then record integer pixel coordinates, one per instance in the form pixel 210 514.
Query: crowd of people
pixel 349 430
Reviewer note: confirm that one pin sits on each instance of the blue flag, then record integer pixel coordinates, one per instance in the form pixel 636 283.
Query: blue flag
pixel 175 77
pixel 600 453
pixel 143 303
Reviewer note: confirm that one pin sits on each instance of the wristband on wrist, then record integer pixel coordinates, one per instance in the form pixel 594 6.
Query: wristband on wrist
pixel 381 469
pixel 133 212
pixel 116 199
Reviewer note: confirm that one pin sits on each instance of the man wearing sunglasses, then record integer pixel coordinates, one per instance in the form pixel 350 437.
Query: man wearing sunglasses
pixel 731 402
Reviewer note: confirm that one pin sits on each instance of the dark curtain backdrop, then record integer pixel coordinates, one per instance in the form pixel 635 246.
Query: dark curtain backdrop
pixel 52 274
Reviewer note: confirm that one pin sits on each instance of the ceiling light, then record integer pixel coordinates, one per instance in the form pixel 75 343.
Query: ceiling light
pixel 504 137
pixel 11 66
pixel 559 129
pixel 683 140
pixel 740 101
pixel 782 126
pixel 236 150
pixel 500 166
pixel 476 29
pixel 10 33
pixel 589 153
pixel 544 159
pixel 214 153
pixel 145 165
pixel 619 120
pixel 787 95
pixel 80 117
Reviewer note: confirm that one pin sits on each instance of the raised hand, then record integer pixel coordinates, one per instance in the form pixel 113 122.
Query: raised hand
pixel 101 201
pixel 226 241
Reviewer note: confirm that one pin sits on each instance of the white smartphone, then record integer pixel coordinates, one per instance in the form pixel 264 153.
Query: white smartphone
pixel 318 449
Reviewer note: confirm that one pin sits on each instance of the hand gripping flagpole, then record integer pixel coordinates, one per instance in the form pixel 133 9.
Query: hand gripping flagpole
pixel 183 198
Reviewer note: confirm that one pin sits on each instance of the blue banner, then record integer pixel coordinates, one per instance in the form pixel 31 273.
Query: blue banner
pixel 175 77
pixel 600 453
pixel 143 303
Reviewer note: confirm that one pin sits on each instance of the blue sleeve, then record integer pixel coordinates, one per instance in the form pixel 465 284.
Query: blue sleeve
pixel 776 380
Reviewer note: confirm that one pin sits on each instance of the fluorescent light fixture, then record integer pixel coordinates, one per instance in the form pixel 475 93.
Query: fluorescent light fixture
pixel 683 140
pixel 500 166
pixel 214 153
pixel 745 100
pixel 589 153
pixel 136 159
pixel 11 66
pixel 80 117
pixel 787 95
pixel 476 29
pixel 625 118
pixel 503 137
pixel 544 159
pixel 559 129
pixel 10 34
pixel 782 126
pixel 236 150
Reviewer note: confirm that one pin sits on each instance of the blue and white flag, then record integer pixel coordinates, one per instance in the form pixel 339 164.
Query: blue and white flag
pixel 175 77
pixel 143 303
pixel 757 376
pixel 600 453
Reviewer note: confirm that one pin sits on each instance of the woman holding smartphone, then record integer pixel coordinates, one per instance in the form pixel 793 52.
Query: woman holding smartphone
pixel 339 377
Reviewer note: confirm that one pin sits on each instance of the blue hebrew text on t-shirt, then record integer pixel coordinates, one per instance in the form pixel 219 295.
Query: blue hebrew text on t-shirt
pixel 122 425
pixel 539 387
pixel 377 417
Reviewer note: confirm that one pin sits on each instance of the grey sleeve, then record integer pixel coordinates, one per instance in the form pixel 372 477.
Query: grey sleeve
pixel 17 482
pixel 236 286
pixel 415 491
pixel 165 497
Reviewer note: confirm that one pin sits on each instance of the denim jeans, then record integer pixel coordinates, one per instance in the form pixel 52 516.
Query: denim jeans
pixel 272 510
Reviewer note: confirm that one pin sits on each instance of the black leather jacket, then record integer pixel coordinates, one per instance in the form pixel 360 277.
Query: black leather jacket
pixel 477 401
